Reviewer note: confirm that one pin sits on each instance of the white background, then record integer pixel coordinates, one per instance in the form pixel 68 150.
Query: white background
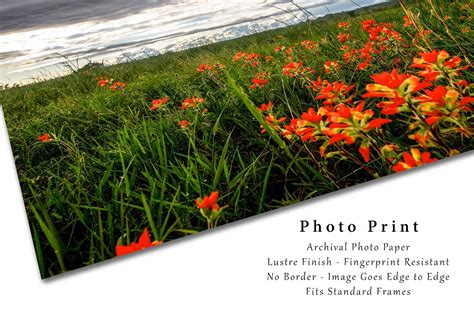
pixel 224 272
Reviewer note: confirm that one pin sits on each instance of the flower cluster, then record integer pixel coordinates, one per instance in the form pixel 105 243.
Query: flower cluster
pixel 260 80
pixel 192 103
pixel 144 242
pixel 341 124
pixel 159 103
pixel 209 208
pixel 294 69
pixel 209 69
pixel 110 83
pixel 46 138
pixel 248 59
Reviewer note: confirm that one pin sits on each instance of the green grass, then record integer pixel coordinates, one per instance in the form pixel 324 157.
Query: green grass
pixel 118 167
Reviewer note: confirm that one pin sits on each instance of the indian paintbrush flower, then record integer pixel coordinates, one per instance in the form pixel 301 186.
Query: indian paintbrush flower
pixel 144 242
pixel 209 208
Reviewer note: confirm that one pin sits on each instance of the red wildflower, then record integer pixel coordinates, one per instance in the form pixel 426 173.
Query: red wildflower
pixel 331 66
pixel 347 124
pixel 289 130
pixel 143 242
pixel 209 68
pixel 435 65
pixel 308 127
pixel 442 102
pixel 103 82
pixel 259 81
pixel 422 138
pixel 208 202
pixel 239 56
pixel 342 25
pixel 251 59
pixel 184 124
pixel 266 107
pixel 407 20
pixel 158 104
pixel 292 69
pixel 273 122
pixel 365 152
pixel 368 24
pixel 376 123
pixel 192 102
pixel 340 137
pixel 344 37
pixel 413 159
pixel 334 93
pixel 309 45
pixel 317 85
pixel 311 116
pixel 296 68
pixel 118 85
pixel 396 87
pixel 279 49
pixel 205 67
pixel 269 59
pixel 46 138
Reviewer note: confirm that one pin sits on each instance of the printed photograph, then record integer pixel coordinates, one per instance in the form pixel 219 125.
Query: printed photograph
pixel 135 123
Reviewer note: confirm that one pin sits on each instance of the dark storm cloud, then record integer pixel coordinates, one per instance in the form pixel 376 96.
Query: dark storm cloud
pixel 22 14
pixel 17 15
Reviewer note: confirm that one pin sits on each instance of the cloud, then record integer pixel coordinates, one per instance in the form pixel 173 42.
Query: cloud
pixel 18 15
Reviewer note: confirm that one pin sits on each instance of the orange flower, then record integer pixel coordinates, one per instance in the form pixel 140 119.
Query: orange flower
pixel 259 81
pixel 309 45
pixel 266 107
pixel 208 202
pixel 407 21
pixel 343 25
pixel 396 87
pixel 308 127
pixel 239 56
pixel 331 66
pixel 143 242
pixel 296 68
pixel 212 69
pixel 103 81
pixel 192 102
pixel 279 49
pixel 118 85
pixel 251 59
pixel 292 69
pixel 435 64
pixel 205 67
pixel 311 116
pixel 273 122
pixel 376 123
pixel 158 104
pixel 413 159
pixel 334 93
pixel 347 124
pixel 343 37
pixel 184 124
pixel 46 138
pixel 364 151
pixel 442 102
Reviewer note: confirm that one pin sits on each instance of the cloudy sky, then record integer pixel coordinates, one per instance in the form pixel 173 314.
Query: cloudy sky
pixel 34 33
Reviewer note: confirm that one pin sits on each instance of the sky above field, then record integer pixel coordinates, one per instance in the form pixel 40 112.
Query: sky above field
pixel 36 35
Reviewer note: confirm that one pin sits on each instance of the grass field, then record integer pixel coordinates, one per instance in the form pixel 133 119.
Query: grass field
pixel 107 153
